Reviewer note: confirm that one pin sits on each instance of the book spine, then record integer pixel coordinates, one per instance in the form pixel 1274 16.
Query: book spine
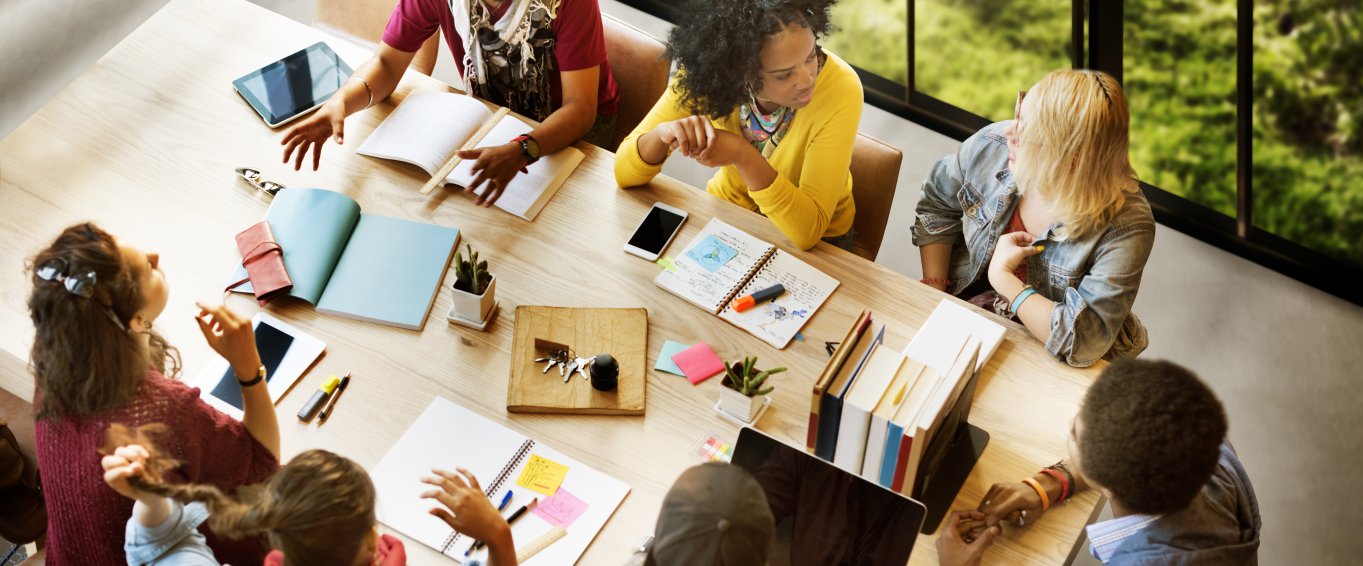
pixel 829 414
pixel 496 485
pixel 851 446
pixel 812 437
pixel 747 277
pixel 902 463
pixel 875 446
pixel 893 434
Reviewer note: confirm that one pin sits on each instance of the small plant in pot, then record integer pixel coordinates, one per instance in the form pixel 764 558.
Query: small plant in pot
pixel 744 393
pixel 474 288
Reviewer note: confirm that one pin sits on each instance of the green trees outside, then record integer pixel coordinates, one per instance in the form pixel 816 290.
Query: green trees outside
pixel 1179 75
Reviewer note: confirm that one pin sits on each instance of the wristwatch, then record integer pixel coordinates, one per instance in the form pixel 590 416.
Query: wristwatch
pixel 529 148
pixel 260 376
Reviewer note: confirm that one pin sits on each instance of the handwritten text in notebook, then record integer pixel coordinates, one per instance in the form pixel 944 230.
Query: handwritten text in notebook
pixel 542 474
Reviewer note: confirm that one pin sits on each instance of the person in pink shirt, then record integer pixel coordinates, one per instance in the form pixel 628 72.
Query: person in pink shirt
pixel 544 59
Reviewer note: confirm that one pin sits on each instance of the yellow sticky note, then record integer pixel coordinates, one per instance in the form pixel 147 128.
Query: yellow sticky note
pixel 542 475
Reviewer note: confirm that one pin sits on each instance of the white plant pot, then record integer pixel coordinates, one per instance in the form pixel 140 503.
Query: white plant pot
pixel 471 307
pixel 740 406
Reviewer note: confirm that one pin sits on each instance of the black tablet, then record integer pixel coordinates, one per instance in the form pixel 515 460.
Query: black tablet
pixel 825 515
pixel 292 86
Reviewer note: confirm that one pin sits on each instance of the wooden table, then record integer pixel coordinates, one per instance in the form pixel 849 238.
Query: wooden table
pixel 145 142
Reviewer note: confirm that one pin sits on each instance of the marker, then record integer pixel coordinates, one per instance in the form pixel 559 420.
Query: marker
pixel 318 398
pixel 505 499
pixel 509 521
pixel 747 302
pixel 331 404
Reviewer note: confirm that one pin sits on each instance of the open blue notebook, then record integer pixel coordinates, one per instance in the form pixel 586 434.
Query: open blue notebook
pixel 365 266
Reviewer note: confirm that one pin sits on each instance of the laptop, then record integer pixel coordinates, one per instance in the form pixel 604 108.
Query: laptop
pixel 825 515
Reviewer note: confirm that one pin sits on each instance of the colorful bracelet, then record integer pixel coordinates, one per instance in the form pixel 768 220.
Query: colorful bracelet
pixel 1068 476
pixel 1064 484
pixel 946 283
pixel 1017 301
pixel 1045 500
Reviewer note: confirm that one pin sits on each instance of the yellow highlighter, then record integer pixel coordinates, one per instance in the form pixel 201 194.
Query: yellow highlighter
pixel 318 399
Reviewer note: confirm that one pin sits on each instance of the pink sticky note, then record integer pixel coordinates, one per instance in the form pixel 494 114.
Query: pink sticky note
pixel 560 509
pixel 698 363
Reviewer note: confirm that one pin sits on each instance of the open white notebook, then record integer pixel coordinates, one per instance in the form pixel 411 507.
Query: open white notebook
pixel 723 263
pixel 447 435
pixel 429 127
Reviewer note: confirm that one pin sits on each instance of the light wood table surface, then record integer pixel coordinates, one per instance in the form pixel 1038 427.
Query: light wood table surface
pixel 145 142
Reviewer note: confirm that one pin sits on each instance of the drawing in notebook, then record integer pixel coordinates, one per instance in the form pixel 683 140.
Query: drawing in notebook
pixel 429 127
pixel 723 263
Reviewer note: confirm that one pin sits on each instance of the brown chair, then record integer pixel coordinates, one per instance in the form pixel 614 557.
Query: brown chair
pixel 639 62
pixel 875 174
pixel 362 21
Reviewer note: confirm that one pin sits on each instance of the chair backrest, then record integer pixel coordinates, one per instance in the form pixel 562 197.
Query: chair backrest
pixel 875 174
pixel 639 63
pixel 362 21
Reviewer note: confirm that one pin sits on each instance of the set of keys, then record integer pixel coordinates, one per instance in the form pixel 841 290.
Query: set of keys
pixel 567 364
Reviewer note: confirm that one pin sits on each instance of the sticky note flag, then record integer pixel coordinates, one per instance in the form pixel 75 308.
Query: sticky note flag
pixel 561 509
pixel 665 362
pixel 542 474
pixel 667 264
pixel 698 363
pixel 711 253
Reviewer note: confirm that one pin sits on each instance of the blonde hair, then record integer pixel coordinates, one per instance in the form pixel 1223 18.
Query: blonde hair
pixel 1073 148
pixel 318 509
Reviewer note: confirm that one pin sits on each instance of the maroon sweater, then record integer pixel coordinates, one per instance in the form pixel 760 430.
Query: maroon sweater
pixel 86 518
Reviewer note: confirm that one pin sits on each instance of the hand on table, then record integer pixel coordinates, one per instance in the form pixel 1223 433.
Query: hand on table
pixel 690 135
pixel 231 337
pixel 1011 504
pixel 496 166
pixel 467 509
pixel 963 539
pixel 313 132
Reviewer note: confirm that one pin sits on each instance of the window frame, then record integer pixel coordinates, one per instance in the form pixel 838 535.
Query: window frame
pixel 1101 48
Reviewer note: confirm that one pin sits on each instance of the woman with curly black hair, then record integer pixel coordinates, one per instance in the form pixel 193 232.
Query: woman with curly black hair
pixel 756 96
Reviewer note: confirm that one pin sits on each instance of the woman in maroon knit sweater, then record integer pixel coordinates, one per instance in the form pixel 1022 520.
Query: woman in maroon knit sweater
pixel 97 362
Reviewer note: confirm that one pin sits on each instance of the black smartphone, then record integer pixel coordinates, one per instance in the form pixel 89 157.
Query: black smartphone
pixel 656 231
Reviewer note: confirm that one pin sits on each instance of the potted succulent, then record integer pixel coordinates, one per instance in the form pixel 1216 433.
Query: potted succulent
pixel 744 393
pixel 474 288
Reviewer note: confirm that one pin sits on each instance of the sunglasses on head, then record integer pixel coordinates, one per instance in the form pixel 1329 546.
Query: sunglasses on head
pixel 80 284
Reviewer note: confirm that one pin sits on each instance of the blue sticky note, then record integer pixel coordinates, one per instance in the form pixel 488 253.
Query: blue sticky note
pixel 711 253
pixel 665 362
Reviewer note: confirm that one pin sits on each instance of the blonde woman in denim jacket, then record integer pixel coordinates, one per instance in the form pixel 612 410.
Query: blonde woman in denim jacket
pixel 1041 218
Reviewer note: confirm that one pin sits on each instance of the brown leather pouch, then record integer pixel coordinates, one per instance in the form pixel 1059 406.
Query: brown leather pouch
pixel 263 259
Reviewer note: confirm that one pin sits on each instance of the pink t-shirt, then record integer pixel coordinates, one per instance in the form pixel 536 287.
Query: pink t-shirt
pixel 579 42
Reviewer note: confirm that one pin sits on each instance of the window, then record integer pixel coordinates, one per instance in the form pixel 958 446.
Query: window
pixel 870 35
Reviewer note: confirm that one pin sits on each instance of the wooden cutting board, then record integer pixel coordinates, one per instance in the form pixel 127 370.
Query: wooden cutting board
pixel 622 333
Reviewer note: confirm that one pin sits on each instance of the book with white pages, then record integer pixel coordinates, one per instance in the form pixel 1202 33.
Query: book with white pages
pixel 428 128
pixel 723 263
pixel 861 400
pixel 447 435
pixel 940 338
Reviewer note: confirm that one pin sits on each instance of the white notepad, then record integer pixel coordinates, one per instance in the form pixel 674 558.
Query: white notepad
pixel 446 436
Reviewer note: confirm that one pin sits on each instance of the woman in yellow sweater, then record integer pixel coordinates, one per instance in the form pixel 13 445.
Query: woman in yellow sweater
pixel 757 97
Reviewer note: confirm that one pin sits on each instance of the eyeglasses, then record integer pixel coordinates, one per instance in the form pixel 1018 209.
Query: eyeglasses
pixel 253 177
pixel 78 284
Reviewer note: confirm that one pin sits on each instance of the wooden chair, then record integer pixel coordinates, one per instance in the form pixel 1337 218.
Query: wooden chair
pixel 875 174
pixel 362 21
pixel 639 62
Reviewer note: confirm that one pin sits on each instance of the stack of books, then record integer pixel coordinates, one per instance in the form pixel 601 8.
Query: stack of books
pixel 876 411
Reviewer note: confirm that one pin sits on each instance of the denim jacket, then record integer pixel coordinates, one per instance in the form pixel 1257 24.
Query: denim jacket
pixel 969 198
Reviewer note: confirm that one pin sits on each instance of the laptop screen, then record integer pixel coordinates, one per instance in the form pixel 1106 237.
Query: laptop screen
pixel 823 514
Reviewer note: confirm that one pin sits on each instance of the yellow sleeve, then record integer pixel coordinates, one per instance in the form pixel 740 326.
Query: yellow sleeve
pixel 804 212
pixel 630 169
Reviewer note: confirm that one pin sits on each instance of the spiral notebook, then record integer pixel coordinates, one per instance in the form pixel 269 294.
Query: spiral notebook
pixel 446 436
pixel 723 263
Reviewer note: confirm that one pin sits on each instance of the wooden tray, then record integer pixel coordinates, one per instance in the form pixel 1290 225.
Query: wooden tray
pixel 622 333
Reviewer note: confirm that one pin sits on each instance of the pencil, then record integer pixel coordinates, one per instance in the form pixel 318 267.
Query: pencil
pixel 331 404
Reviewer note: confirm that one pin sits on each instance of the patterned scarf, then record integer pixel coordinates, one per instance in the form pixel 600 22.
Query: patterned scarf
pixel 509 61
pixel 764 131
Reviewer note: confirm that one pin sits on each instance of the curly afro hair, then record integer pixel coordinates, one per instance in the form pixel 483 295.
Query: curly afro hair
pixel 718 45
pixel 1151 434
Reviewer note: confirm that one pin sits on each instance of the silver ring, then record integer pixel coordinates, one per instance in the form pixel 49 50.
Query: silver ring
pixel 1022 518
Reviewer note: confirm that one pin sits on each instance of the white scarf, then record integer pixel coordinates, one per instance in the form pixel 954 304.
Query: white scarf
pixel 516 34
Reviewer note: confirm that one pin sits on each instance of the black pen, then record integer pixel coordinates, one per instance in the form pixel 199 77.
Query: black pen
pixel 331 404
pixel 512 519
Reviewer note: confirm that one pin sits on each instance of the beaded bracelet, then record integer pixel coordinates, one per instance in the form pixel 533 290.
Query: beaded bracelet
pixel 1045 500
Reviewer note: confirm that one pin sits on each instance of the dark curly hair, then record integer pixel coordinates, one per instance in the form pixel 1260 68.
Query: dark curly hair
pixel 717 45
pixel 1151 435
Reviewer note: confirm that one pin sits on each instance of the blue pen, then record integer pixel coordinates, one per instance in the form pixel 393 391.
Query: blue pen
pixel 505 499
